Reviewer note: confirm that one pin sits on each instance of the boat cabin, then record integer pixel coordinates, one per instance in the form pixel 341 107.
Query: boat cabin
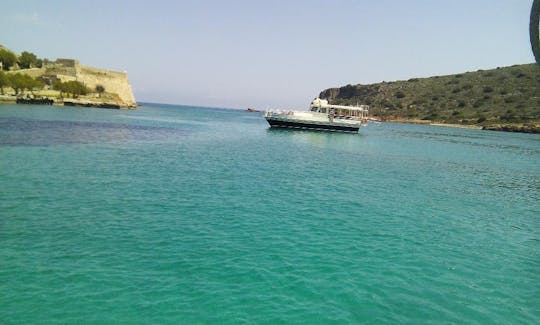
pixel 338 111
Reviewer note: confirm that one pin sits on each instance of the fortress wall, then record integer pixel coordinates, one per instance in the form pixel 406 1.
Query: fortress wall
pixel 65 67
pixel 65 77
pixel 70 70
pixel 67 62
pixel 59 70
pixel 112 81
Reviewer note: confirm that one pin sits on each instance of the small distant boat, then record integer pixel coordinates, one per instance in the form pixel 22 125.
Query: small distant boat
pixel 321 116
pixel 249 109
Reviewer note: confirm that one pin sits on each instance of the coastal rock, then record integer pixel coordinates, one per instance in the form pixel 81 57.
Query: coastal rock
pixel 523 128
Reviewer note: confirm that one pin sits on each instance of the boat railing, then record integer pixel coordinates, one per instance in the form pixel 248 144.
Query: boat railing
pixel 279 112
pixel 348 117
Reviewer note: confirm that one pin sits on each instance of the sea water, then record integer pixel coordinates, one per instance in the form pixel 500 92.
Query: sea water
pixel 177 214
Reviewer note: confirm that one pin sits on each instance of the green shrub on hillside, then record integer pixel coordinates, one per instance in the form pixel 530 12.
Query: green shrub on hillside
pixel 4 81
pixel 75 88
pixel 27 60
pixel 7 58
pixel 20 82
pixel 487 94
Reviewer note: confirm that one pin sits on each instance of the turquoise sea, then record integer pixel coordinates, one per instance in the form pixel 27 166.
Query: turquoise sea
pixel 177 214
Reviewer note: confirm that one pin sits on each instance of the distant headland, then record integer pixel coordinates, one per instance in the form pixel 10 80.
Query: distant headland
pixel 505 99
pixel 63 81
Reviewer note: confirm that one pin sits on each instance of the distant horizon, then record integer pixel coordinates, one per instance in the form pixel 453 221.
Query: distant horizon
pixel 248 54
pixel 260 108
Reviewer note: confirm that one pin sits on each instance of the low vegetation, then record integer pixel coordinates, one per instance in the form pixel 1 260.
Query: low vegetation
pixel 18 77
pixel 74 88
pixel 19 82
pixel 26 60
pixel 490 98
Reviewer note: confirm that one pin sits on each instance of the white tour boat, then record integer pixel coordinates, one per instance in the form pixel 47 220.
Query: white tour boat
pixel 321 116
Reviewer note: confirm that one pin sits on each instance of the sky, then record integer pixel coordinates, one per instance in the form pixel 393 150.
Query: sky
pixel 269 54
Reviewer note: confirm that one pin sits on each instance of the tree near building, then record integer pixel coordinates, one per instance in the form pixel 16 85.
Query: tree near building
pixel 7 58
pixel 100 90
pixel 4 81
pixel 75 88
pixel 57 85
pixel 27 60
pixel 20 82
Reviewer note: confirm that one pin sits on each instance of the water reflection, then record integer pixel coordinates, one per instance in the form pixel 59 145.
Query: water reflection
pixel 318 138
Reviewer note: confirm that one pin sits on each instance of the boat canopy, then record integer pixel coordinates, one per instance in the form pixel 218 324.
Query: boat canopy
pixel 323 103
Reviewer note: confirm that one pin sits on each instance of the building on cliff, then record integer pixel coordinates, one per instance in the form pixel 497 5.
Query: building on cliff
pixel 70 70
pixel 114 82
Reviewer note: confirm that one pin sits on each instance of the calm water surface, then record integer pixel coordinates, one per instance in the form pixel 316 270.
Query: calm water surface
pixel 175 214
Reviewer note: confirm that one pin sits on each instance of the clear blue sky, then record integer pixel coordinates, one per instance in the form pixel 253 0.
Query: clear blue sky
pixel 269 54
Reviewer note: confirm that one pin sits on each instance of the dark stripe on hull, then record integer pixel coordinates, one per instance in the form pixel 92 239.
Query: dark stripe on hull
pixel 310 126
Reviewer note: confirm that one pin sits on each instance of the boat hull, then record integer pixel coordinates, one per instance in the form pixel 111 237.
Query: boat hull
pixel 306 125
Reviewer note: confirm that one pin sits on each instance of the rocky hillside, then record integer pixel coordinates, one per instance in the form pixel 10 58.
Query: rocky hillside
pixel 504 98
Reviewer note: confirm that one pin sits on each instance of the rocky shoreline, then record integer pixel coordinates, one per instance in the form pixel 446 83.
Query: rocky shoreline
pixel 517 127
pixel 5 99
pixel 521 128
